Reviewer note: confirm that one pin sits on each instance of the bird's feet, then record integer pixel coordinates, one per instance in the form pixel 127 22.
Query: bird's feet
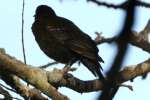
pixel 67 68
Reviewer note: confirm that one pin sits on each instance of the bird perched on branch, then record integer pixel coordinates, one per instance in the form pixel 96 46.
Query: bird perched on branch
pixel 61 40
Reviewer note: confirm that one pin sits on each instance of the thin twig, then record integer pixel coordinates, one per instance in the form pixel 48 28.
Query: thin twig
pixel 100 3
pixel 47 65
pixel 127 86
pixel 8 88
pixel 22 31
pixel 6 93
pixel 123 5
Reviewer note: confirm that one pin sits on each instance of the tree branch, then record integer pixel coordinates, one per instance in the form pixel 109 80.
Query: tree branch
pixel 32 75
pixel 5 93
pixel 123 5
pixel 130 72
pixel 55 77
pixel 20 88
pixel 137 39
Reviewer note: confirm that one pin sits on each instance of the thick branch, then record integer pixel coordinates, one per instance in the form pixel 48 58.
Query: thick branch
pixel 130 72
pixel 32 75
pixel 69 81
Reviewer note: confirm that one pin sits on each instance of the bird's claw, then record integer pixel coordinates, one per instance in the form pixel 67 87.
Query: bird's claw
pixel 66 69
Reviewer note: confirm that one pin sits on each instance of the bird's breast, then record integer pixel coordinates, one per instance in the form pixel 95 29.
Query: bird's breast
pixel 50 46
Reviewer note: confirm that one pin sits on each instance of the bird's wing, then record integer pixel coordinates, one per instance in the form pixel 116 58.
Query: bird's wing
pixel 68 34
pixel 83 48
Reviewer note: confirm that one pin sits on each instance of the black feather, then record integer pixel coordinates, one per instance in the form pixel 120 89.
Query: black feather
pixel 61 40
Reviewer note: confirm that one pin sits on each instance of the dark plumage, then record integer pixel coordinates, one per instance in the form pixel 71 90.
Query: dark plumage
pixel 61 40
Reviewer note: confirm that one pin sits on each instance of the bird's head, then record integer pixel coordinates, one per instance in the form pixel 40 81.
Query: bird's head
pixel 44 11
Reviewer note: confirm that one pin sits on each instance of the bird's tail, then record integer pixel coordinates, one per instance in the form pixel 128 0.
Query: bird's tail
pixel 94 67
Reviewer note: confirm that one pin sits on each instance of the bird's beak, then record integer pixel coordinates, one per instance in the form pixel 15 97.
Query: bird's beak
pixel 33 15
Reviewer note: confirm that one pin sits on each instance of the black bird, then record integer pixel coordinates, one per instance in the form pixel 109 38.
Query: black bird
pixel 61 40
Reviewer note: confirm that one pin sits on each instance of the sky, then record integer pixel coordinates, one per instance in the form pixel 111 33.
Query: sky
pixel 90 18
